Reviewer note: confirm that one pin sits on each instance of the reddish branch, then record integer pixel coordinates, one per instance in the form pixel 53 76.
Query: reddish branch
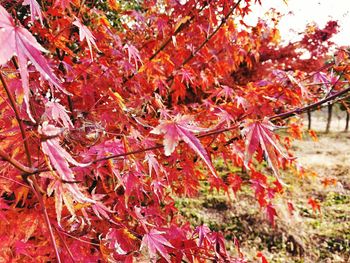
pixel 34 185
pixel 176 32
pixel 15 163
pixel 281 116
pixel 223 21
pixel 313 106
pixel 19 120
pixel 36 190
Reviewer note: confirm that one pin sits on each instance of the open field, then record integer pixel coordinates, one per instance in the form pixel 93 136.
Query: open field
pixel 307 235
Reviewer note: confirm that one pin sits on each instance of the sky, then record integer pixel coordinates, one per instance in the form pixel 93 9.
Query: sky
pixel 301 12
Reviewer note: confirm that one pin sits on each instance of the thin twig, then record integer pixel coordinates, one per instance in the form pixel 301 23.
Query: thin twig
pixel 16 163
pixel 19 120
pixel 223 21
pixel 36 190
pixel 14 181
pixel 139 151
pixel 34 185
pixel 79 239
pixel 65 245
pixel 288 114
pixel 80 7
pixel 176 32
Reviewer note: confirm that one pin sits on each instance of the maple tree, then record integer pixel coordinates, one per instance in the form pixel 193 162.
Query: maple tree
pixel 110 109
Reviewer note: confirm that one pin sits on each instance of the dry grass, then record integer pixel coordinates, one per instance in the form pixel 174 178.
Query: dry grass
pixel 307 236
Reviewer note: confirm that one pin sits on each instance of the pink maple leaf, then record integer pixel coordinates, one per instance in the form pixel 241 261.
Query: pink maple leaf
pixel 133 53
pixel 261 133
pixel 55 111
pixel 62 3
pixel 327 81
pixel 156 242
pixel 35 10
pixel 85 33
pixel 61 196
pixel 60 159
pixel 226 92
pixel 153 164
pixel 16 40
pixel 180 129
pixel 241 102
pixel 203 234
pixel 22 248
pixel 99 208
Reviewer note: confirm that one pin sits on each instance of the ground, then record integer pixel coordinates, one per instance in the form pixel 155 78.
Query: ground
pixel 307 235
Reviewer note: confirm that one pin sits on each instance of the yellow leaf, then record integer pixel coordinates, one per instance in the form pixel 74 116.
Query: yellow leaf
pixel 113 5
pixel 116 96
pixel 182 21
pixel 21 194
pixel 79 206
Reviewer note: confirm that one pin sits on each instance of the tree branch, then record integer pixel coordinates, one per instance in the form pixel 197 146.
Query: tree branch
pixel 166 42
pixel 15 163
pixel 176 32
pixel 19 120
pixel 312 106
pixel 156 147
pixel 223 21
pixel 33 182
pixel 36 190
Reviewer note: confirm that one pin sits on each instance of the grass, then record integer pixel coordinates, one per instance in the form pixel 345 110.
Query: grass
pixel 307 236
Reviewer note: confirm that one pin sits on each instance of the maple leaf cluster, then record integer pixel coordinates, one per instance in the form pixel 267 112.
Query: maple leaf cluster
pixel 111 109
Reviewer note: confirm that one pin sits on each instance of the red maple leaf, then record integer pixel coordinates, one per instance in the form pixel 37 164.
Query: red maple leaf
pixel 314 204
pixel 271 213
pixel 260 133
pixel 263 258
pixel 180 129
pixel 156 242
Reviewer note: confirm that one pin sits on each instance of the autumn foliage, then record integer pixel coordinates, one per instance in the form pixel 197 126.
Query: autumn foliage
pixel 111 109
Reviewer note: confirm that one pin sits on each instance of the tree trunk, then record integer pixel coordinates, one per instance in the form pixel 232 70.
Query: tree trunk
pixel 309 119
pixel 347 121
pixel 329 119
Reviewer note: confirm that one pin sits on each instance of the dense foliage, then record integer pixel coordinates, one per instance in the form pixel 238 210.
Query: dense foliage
pixel 110 109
